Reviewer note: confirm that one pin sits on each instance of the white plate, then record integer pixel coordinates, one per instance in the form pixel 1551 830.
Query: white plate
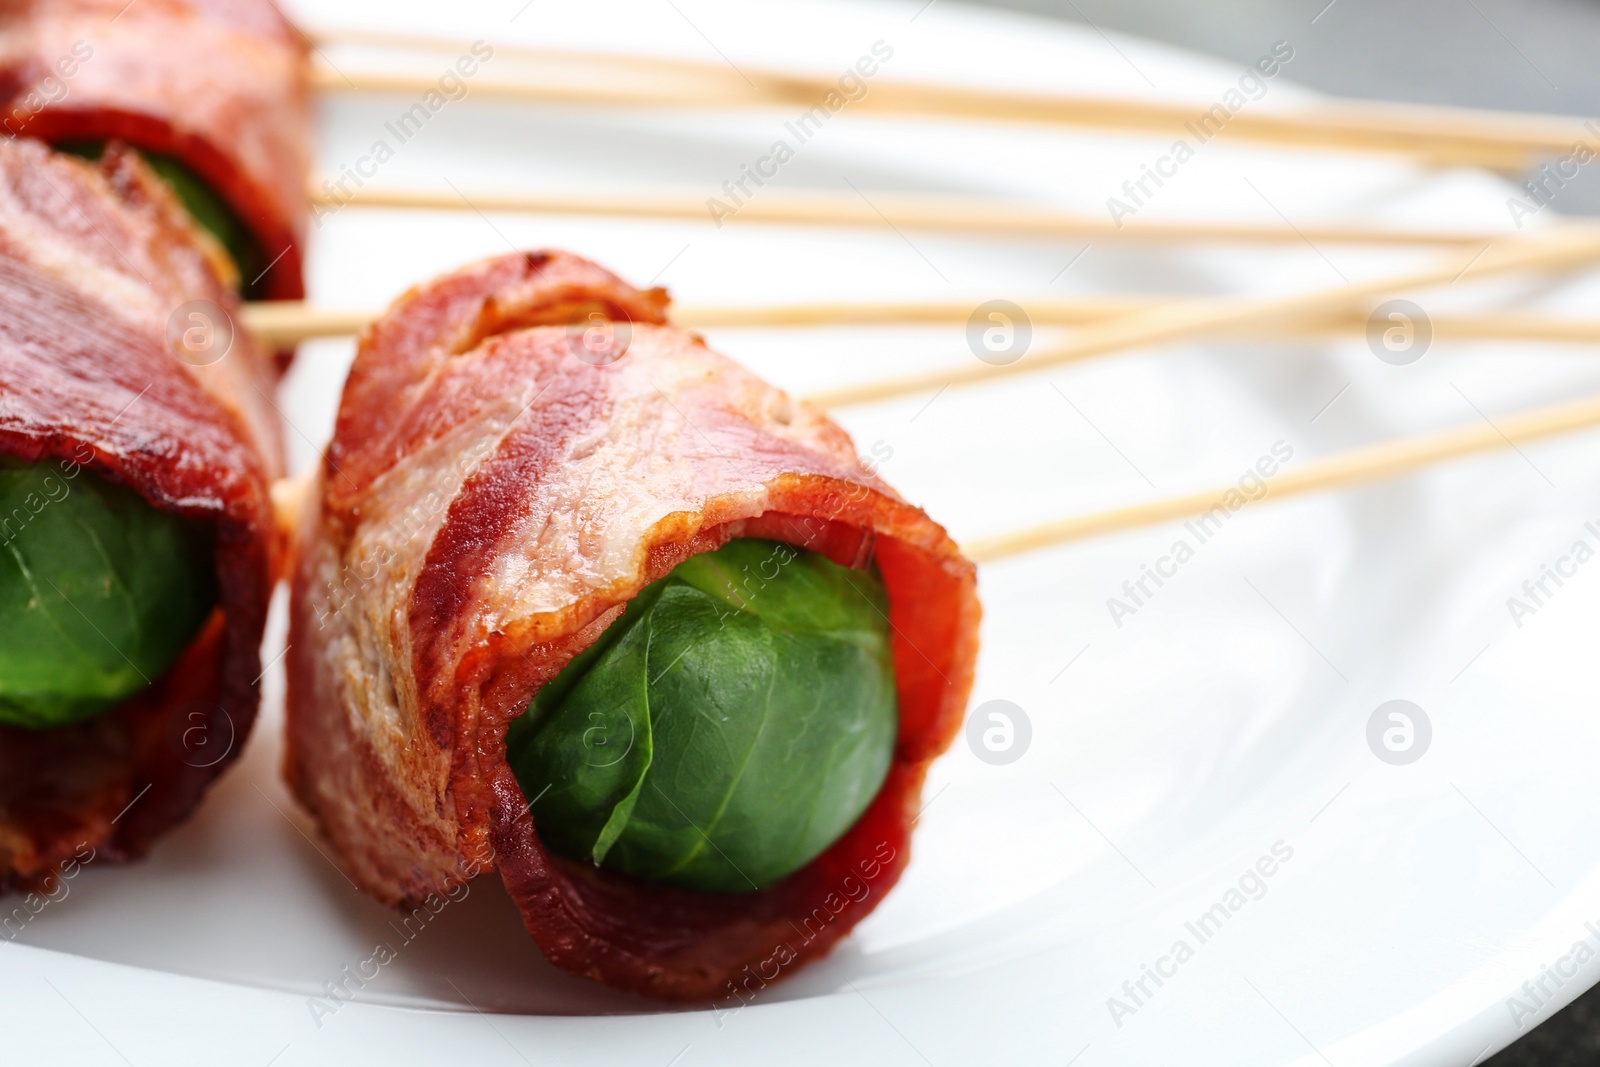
pixel 1224 719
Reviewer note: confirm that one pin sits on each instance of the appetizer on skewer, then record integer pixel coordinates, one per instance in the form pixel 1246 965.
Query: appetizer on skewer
pixel 138 546
pixel 580 599
pixel 137 435
pixel 213 92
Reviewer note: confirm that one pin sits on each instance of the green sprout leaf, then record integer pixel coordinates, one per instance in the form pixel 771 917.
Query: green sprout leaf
pixel 733 724
pixel 99 592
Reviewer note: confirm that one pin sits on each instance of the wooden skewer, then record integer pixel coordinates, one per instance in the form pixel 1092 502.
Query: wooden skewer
pixel 1372 463
pixel 1357 466
pixel 533 58
pixel 289 322
pixel 1504 140
pixel 1497 326
pixel 1056 311
pixel 921 212
pixel 1210 317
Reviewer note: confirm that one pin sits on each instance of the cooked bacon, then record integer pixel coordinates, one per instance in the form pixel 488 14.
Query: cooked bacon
pixel 94 259
pixel 498 488
pixel 219 84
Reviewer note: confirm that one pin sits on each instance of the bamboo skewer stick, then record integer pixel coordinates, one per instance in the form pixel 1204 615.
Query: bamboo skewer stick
pixel 1356 466
pixel 1072 311
pixel 1505 140
pixel 1497 325
pixel 943 213
pixel 1388 459
pixel 1209 318
pixel 290 322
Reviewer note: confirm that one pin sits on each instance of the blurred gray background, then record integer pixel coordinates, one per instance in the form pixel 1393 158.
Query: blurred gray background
pixel 1517 55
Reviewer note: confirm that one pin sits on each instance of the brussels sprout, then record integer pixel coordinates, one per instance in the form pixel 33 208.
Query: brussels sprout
pixel 730 726
pixel 99 592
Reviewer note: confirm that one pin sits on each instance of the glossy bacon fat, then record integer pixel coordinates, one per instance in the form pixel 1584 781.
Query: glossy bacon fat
pixel 523 445
pixel 94 260
pixel 218 84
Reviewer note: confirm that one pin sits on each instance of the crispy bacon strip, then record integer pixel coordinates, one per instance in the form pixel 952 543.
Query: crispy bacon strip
pixel 220 84
pixel 94 260
pixel 498 488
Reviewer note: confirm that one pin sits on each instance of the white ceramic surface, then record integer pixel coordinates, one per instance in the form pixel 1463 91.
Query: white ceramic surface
pixel 1225 719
